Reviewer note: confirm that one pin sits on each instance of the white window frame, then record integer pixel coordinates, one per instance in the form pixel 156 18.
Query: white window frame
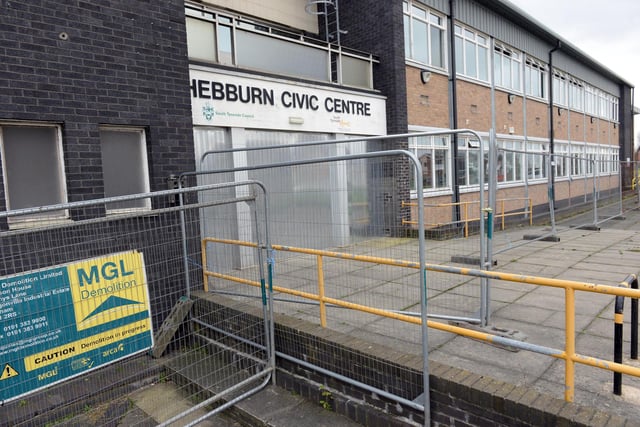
pixel 58 158
pixel 560 88
pixel 470 39
pixel 615 109
pixel 603 103
pixel 561 159
pixel 538 69
pixel 591 155
pixel 591 100
pixel 576 95
pixel 504 56
pixel 420 145
pixel 537 153
pixel 577 159
pixel 469 153
pixel 144 169
pixel 433 22
pixel 514 158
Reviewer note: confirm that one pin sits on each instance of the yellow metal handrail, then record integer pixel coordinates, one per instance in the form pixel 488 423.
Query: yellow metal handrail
pixel 465 217
pixel 568 354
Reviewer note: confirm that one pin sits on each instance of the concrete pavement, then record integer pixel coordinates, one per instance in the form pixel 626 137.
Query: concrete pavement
pixel 535 314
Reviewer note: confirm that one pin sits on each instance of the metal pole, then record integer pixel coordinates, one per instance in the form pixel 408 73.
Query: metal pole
pixel 550 196
pixel 595 190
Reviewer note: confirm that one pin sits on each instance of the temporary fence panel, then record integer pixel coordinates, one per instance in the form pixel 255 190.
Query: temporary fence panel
pixel 331 197
pixel 454 220
pixel 334 205
pixel 95 313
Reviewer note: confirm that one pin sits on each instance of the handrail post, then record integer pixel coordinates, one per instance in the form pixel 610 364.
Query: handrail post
pixel 570 344
pixel 503 212
pixel 203 252
pixel 618 329
pixel 466 219
pixel 323 307
pixel 634 321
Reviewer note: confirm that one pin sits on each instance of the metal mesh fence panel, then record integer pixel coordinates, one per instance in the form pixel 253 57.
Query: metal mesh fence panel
pixel 331 223
pixel 96 319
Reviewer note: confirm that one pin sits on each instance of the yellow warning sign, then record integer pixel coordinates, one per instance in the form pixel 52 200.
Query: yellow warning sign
pixel 108 289
pixel 8 372
pixel 75 348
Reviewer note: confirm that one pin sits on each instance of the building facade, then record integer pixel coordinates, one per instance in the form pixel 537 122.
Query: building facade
pixel 94 101
pixel 105 99
pixel 553 113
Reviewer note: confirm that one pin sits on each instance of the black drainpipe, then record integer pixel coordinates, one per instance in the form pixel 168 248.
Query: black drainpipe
pixel 454 113
pixel 551 132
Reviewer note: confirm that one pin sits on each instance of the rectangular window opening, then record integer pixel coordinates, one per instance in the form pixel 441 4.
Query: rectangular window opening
pixel 124 167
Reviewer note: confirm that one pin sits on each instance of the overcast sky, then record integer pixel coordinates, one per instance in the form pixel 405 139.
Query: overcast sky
pixel 608 32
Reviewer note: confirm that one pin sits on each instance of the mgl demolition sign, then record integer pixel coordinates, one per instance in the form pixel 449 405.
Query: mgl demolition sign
pixel 66 320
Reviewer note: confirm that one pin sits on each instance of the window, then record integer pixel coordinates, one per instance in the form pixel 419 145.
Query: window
pixel 510 161
pixel 217 37
pixel 507 63
pixel 32 166
pixel 433 153
pixel 424 36
pixel 472 54
pixel 535 79
pixel 591 157
pixel 604 105
pixel 615 112
pixel 124 166
pixel 209 36
pixel 615 159
pixel 468 161
pixel 561 159
pixel 577 160
pixel 591 100
pixel 559 88
pixel 576 95
pixel 536 160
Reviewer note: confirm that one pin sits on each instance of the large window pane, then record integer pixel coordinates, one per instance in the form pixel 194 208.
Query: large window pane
pixel 124 166
pixel 470 59
pixel 32 166
pixel 279 56
pixel 441 169
pixel 437 47
pixel 459 56
pixel 356 72
pixel 420 48
pixel 474 178
pixel 225 45
pixel 201 40
pixel 483 65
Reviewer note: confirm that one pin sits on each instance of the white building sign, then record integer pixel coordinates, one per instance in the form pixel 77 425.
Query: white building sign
pixel 226 100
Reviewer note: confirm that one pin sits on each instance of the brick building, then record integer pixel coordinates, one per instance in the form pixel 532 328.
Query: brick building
pixel 480 65
pixel 92 84
pixel 94 100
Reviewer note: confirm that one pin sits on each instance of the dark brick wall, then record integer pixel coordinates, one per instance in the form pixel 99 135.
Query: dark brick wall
pixel 377 27
pixel 122 62
pixel 81 64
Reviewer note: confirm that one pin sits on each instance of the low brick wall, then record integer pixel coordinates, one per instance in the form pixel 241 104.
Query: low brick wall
pixel 458 397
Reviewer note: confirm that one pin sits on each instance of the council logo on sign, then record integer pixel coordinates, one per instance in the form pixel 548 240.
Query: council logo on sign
pixel 107 289
pixel 208 111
